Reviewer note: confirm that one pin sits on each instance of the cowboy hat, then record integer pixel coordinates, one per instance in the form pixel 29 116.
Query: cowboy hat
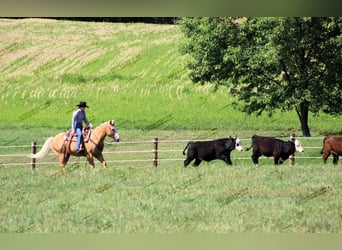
pixel 82 104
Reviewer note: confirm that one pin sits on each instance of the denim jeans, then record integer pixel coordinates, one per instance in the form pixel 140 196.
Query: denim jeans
pixel 79 137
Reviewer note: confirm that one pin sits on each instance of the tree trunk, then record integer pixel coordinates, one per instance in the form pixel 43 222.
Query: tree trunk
pixel 303 114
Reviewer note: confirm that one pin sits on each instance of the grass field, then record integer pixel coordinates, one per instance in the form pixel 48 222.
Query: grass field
pixel 132 196
pixel 139 198
pixel 135 74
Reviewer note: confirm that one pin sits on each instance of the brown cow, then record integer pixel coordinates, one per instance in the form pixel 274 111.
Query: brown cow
pixel 332 145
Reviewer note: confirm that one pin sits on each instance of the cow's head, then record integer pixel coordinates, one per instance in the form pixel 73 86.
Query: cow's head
pixel 298 146
pixel 238 144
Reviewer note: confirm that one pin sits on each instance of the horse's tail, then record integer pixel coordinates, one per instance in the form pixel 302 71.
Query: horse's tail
pixel 187 145
pixel 45 149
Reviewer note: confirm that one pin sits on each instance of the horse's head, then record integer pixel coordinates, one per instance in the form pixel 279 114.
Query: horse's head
pixel 113 131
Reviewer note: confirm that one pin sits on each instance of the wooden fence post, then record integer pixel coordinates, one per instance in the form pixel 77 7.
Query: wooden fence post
pixel 33 160
pixel 292 157
pixel 155 152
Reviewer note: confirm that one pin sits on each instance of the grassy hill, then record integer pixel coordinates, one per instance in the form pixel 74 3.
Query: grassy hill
pixel 133 73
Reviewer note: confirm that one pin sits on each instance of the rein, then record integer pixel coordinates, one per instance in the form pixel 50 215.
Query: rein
pixel 99 139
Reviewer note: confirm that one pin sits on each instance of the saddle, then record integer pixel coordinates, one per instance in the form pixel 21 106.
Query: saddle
pixel 70 136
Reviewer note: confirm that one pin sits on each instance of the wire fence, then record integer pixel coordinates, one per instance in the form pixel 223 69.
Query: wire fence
pixel 146 152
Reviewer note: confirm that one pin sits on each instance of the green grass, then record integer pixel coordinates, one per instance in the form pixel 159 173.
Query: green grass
pixel 210 198
pixel 132 196
pixel 135 74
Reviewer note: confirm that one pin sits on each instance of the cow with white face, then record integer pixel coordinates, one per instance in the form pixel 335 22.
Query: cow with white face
pixel 211 150
pixel 298 146
pixel 273 147
pixel 238 145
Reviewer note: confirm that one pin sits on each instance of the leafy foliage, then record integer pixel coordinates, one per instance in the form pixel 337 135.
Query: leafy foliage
pixel 270 63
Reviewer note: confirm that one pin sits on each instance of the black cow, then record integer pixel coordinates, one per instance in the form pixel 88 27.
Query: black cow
pixel 270 146
pixel 211 150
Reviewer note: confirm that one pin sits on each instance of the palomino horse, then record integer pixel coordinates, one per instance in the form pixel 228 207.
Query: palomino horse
pixel 92 148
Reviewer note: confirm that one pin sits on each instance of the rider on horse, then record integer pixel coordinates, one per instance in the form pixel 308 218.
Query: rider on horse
pixel 78 117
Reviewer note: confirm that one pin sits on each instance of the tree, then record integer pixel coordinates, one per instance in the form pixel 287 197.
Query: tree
pixel 270 63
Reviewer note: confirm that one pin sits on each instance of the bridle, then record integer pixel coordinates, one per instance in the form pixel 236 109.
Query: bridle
pixel 114 131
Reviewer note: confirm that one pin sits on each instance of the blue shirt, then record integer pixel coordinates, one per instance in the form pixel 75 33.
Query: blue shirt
pixel 77 118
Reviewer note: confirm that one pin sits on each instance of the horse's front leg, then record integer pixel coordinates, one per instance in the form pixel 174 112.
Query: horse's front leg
pixel 102 160
pixel 91 160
